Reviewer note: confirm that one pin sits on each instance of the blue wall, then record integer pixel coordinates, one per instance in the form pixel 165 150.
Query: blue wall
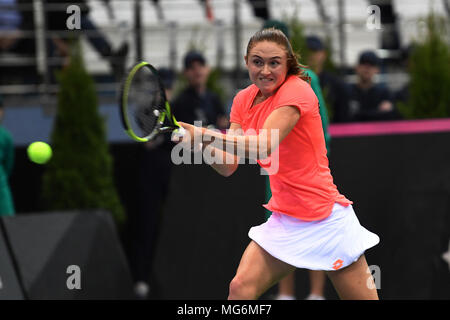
pixel 30 123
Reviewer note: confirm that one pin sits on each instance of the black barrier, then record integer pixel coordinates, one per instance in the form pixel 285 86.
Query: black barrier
pixel 400 186
pixel 204 230
pixel 10 288
pixel 68 255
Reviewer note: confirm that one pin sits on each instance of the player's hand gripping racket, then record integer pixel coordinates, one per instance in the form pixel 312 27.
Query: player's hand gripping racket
pixel 144 109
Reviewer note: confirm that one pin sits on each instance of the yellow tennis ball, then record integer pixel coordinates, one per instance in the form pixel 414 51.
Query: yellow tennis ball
pixel 39 152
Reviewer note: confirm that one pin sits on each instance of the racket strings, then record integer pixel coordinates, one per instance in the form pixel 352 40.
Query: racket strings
pixel 144 102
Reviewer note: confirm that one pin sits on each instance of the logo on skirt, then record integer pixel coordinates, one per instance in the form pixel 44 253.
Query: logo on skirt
pixel 338 264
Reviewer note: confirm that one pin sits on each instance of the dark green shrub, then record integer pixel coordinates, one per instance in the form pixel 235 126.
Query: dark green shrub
pixel 298 39
pixel 429 70
pixel 80 174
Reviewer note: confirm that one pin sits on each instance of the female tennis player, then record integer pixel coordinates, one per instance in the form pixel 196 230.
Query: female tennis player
pixel 312 225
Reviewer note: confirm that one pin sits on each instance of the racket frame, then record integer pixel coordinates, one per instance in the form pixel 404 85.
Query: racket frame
pixel 164 113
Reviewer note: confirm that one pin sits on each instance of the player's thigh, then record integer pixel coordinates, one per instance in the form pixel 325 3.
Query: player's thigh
pixel 354 282
pixel 259 270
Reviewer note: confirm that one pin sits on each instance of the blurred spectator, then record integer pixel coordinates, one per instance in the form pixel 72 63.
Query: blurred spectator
pixel 27 43
pixel 159 10
pixel 260 9
pixel 208 9
pixel 205 3
pixel 153 182
pixel 286 286
pixel 277 24
pixel 196 102
pixel 168 78
pixel 6 165
pixel 10 21
pixel 370 101
pixel 56 18
pixel 333 88
pixel 17 39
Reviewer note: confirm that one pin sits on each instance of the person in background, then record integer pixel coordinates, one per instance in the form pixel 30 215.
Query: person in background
pixel 261 9
pixel 59 45
pixel 334 89
pixel 6 165
pixel 10 21
pixel 159 10
pixel 196 102
pixel 370 101
pixel 317 278
pixel 205 3
pixel 286 286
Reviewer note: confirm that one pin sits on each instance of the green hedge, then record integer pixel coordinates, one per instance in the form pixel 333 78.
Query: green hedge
pixel 429 69
pixel 80 174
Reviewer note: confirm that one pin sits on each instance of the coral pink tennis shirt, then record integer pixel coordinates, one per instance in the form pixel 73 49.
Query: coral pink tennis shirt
pixel 302 186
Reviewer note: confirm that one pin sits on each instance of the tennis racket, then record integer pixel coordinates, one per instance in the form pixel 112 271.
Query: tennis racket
pixel 144 109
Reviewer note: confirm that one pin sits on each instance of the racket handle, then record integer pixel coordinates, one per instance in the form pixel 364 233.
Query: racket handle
pixel 180 132
pixel 177 134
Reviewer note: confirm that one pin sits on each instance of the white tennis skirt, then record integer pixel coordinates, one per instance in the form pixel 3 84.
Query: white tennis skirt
pixel 329 244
